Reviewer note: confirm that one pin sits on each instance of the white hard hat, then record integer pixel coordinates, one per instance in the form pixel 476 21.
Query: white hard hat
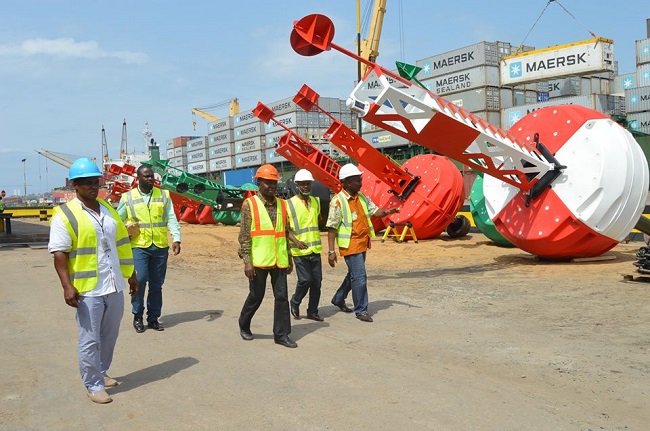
pixel 303 175
pixel 348 170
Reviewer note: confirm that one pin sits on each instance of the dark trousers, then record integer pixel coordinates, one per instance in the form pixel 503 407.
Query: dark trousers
pixel 309 270
pixel 256 289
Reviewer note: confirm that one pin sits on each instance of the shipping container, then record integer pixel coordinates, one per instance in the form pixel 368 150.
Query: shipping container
pixel 181 141
pixel 639 121
pixel 273 157
pixel 180 151
pixel 248 130
pixel 476 77
pixel 197 144
pixel 222 137
pixel 254 158
pixel 524 97
pixel 273 139
pixel 561 87
pixel 616 105
pixel 197 155
pixel 637 100
pixel 624 82
pixel 479 99
pixel 221 150
pixel 219 125
pixel 178 162
pixel 170 154
pixel 221 163
pixel 248 145
pixel 580 58
pixel 284 106
pixel 244 118
pixel 596 102
pixel 491 117
pixel 288 120
pixel 239 177
pixel 197 167
pixel 479 54
pixel 642 52
pixel 643 75
pixel 169 144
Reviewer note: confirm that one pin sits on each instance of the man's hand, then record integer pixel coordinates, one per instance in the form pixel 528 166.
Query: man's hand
pixel 249 271
pixel 71 296
pixel 176 247
pixel 331 259
pixel 301 245
pixel 134 286
pixel 290 268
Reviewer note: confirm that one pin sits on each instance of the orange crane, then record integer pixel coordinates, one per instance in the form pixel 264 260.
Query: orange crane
pixel 234 110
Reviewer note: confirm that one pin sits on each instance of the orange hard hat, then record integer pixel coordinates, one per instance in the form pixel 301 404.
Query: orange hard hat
pixel 267 172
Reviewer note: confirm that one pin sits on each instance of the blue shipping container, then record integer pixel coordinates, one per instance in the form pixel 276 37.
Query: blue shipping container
pixel 237 177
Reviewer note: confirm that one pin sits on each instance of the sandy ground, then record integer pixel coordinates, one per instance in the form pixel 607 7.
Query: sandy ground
pixel 467 336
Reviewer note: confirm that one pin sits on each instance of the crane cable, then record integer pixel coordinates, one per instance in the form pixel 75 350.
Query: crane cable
pixel 540 16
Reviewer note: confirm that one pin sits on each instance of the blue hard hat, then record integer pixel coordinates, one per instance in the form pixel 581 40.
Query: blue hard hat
pixel 83 168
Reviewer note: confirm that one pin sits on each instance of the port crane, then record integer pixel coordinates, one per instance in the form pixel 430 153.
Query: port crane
pixel 369 47
pixel 201 112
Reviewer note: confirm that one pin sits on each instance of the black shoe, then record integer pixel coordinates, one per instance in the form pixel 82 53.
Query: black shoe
pixel 155 325
pixel 138 324
pixel 295 310
pixel 342 307
pixel 364 317
pixel 315 317
pixel 286 342
pixel 245 334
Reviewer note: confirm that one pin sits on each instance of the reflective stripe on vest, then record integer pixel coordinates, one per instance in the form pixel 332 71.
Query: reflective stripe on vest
pixel 305 225
pixel 344 231
pixel 269 243
pixel 82 260
pixel 151 218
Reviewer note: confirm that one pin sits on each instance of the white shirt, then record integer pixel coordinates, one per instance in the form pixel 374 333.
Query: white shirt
pixel 109 274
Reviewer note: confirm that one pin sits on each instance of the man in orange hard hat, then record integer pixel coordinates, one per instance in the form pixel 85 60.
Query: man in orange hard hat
pixel 264 248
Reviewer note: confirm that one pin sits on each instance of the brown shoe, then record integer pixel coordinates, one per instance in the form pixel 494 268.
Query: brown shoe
pixel 110 382
pixel 315 317
pixel 100 397
pixel 344 308
pixel 364 317
pixel 295 310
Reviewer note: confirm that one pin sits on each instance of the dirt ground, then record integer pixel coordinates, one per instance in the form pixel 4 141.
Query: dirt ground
pixel 467 336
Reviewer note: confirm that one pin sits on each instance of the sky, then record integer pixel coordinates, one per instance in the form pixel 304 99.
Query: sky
pixel 67 68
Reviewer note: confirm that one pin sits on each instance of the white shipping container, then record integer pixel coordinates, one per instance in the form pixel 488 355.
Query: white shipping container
pixel 197 167
pixel 221 150
pixel 169 144
pixel 479 54
pixel 284 106
pixel 197 144
pixel 642 52
pixel 288 120
pixel 273 157
pixel 596 102
pixel 253 158
pixel 637 100
pixel 222 137
pixel 178 162
pixel 243 118
pixel 639 121
pixel 643 75
pixel 197 155
pixel 561 87
pixel 479 99
pixel 481 76
pixel 624 82
pixel 221 164
pixel 219 125
pixel 170 154
pixel 248 145
pixel 248 131
pixel 180 151
pixel 491 117
pixel 580 58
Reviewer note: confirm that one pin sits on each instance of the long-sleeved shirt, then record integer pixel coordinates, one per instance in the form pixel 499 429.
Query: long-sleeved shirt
pixel 245 242
pixel 173 226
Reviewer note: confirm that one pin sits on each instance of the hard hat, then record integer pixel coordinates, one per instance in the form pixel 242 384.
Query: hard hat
pixel 267 172
pixel 303 175
pixel 83 168
pixel 348 170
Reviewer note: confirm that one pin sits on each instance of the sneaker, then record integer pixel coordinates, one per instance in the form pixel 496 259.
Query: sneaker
pixel 110 382
pixel 100 397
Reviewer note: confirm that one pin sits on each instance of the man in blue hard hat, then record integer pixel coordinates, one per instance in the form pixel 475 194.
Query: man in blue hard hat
pixel 92 257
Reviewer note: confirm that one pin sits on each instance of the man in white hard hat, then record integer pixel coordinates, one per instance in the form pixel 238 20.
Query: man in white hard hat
pixel 348 224
pixel 304 214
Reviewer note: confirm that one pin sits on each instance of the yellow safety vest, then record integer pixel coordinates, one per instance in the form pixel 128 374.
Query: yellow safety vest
pixel 305 225
pixel 82 260
pixel 268 243
pixel 344 231
pixel 151 217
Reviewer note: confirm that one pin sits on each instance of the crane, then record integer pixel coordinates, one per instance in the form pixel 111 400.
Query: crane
pixel 369 48
pixel 56 158
pixel 234 110
pixel 105 157
pixel 124 150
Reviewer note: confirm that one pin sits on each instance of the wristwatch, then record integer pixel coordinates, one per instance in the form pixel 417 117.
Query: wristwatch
pixel 331 252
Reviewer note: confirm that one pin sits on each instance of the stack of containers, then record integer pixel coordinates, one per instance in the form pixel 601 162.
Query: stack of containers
pixel 637 100
pixel 177 151
pixel 197 155
pixel 221 153
pixel 248 140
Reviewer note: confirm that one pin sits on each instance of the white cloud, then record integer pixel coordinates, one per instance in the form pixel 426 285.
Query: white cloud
pixel 66 47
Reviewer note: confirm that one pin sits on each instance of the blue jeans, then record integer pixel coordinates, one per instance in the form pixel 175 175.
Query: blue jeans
pixel 309 271
pixel 151 265
pixel 357 281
